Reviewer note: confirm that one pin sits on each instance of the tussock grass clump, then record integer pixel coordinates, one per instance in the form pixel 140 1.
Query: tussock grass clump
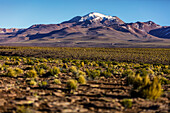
pixel 23 109
pixel 43 60
pixel 137 81
pixel 11 73
pixel 79 72
pixel 18 71
pixel 43 84
pixel 106 74
pixel 73 69
pixel 32 82
pixel 54 71
pixel 95 73
pixel 146 80
pixel 14 72
pixel 31 74
pixel 127 103
pixel 81 79
pixel 72 84
pixel 144 87
pixel 40 71
pixel 57 81
pixel 29 62
pixel 43 65
pixel 152 90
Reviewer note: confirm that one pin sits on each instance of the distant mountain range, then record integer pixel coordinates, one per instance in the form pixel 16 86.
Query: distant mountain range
pixel 91 30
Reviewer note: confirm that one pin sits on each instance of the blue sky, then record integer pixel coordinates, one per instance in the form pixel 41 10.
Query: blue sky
pixel 24 13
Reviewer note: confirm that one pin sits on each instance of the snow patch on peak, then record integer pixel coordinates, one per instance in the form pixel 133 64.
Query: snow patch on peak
pixel 93 14
pixel 96 16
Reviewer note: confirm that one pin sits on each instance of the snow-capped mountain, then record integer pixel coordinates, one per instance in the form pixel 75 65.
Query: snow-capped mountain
pixel 96 16
pixel 90 27
pixel 95 19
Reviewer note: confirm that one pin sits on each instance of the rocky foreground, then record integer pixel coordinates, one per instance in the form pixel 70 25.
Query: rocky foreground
pixel 104 95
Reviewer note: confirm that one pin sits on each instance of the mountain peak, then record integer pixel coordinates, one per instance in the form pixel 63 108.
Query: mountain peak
pixel 96 16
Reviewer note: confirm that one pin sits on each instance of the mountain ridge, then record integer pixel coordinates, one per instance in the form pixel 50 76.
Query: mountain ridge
pixel 93 27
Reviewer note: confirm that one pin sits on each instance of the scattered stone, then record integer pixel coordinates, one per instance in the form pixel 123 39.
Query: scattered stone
pixel 2 102
pixel 86 99
pixel 12 95
pixel 91 108
pixel 27 88
pixel 75 93
pixel 83 110
pixel 105 99
pixel 32 98
pixel 54 104
pixel 68 111
pixel 36 104
pixel 59 91
pixel 95 96
pixel 99 110
pixel 41 93
pixel 24 102
pixel 94 85
pixel 58 94
pixel 80 92
pixel 74 99
pixel 141 99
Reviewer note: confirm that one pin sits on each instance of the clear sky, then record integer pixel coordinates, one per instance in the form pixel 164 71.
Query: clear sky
pixel 24 13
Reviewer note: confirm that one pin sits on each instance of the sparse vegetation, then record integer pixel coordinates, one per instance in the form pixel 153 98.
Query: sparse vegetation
pixel 72 84
pixel 11 73
pixel 127 103
pixel 54 71
pixel 136 55
pixel 81 79
pixel 152 90
pixel 57 81
pixel 95 80
pixel 31 74
pixel 18 71
pixel 43 84
pixel 73 69
pixel 32 82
